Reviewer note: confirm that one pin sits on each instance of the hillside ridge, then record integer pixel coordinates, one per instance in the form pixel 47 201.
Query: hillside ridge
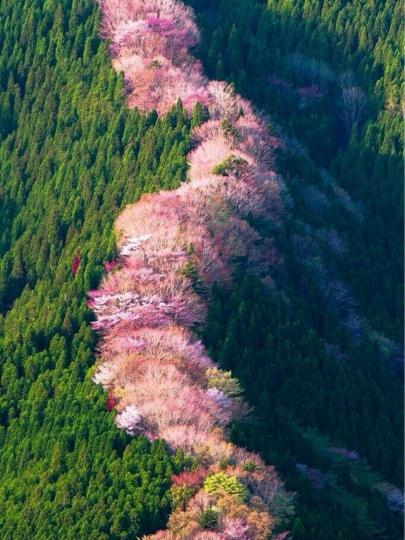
pixel 173 247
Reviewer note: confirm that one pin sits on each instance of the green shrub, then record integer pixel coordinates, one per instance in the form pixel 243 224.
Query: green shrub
pixel 231 164
pixel 227 483
pixel 249 465
pixel 224 381
pixel 224 462
pixel 208 519
pixel 230 130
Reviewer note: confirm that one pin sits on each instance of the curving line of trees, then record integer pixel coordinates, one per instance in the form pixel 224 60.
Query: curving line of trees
pixel 173 247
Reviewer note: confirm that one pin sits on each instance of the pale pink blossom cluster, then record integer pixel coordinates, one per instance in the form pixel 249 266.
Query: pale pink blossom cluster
pixel 149 42
pixel 173 247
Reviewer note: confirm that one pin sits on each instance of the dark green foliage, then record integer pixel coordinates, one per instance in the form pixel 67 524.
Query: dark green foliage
pixel 199 115
pixel 246 41
pixel 229 130
pixel 298 390
pixel 276 345
pixel 231 165
pixel 71 157
pixel 208 519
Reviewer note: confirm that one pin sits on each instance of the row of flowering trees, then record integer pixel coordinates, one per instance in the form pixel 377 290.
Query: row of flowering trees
pixel 149 43
pixel 173 247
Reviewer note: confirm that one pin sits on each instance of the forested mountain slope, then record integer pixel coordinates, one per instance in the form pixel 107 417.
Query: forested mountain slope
pixel 277 348
pixel 71 157
pixel 329 73
pixel 317 362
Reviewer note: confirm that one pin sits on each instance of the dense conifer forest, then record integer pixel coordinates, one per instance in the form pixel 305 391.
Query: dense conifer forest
pixel 318 351
pixel 71 157
pixel 298 77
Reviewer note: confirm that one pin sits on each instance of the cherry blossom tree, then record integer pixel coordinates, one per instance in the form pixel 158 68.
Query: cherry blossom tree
pixel 130 419
pixel 172 248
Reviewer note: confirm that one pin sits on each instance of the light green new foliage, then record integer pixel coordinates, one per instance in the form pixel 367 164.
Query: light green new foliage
pixel 180 495
pixel 226 483
pixel 224 381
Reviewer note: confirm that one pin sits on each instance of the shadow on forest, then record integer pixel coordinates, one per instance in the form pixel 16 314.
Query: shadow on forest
pixel 367 167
